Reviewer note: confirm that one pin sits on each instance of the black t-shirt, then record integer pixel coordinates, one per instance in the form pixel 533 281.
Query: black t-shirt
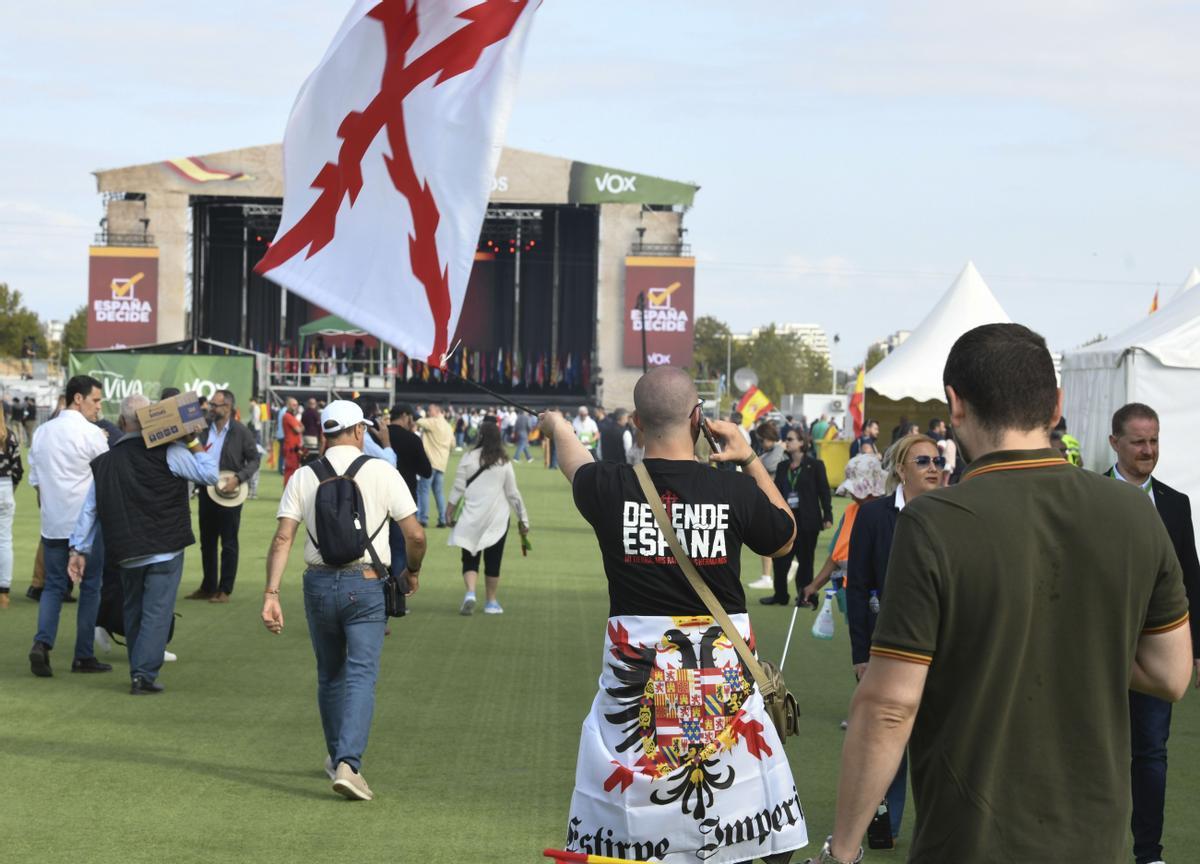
pixel 713 512
pixel 411 460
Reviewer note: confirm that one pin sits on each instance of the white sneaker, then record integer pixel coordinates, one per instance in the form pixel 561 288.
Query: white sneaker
pixel 492 608
pixel 168 657
pixel 764 582
pixel 468 605
pixel 350 785
pixel 102 640
pixel 329 769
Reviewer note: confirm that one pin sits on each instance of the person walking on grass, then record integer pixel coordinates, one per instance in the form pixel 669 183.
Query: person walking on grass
pixel 344 604
pixel 678 760
pixel 1012 634
pixel 487 487
pixel 438 438
pixel 60 469
pixel 139 497
pixel 11 472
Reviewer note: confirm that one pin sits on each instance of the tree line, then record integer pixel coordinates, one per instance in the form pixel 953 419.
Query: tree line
pixel 22 332
pixel 784 364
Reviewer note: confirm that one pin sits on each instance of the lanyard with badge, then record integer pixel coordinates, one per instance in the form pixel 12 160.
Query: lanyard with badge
pixel 793 498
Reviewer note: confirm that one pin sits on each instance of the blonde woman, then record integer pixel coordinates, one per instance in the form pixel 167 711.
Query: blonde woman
pixel 914 467
pixel 11 471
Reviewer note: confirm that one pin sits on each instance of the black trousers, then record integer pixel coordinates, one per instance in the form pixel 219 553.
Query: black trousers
pixel 218 524
pixel 804 550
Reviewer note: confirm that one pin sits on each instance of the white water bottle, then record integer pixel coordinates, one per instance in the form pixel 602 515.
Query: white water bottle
pixel 823 627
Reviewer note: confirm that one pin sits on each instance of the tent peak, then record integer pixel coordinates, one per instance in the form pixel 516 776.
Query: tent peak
pixel 914 369
pixel 1192 280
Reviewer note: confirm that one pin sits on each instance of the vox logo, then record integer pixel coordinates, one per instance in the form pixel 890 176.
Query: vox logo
pixel 615 184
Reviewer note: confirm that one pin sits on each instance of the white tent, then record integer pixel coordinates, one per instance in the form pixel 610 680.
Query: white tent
pixel 1192 280
pixel 914 370
pixel 1157 362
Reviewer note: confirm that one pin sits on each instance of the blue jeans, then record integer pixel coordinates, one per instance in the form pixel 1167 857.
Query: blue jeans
pixel 346 619
pixel 57 584
pixel 149 607
pixel 522 446
pixel 424 484
pixel 1149 726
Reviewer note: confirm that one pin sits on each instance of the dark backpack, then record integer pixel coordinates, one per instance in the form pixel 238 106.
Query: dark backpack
pixel 339 516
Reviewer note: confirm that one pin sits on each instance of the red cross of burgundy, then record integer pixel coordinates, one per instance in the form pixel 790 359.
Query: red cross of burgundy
pixel 668 499
pixel 488 22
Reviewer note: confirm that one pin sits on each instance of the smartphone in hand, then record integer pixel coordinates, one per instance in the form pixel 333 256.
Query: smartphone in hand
pixel 713 444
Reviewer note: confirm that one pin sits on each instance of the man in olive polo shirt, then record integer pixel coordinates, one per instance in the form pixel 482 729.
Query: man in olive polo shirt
pixel 1017 631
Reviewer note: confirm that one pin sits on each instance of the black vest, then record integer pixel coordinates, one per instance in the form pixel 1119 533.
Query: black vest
pixel 142 507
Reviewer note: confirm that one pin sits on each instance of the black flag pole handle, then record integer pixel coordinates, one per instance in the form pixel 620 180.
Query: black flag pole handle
pixel 447 371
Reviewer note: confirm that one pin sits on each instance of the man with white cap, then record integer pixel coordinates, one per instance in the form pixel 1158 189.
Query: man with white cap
pixel 344 604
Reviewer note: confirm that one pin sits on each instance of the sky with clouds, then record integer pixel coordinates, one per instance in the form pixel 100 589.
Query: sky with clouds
pixel 851 157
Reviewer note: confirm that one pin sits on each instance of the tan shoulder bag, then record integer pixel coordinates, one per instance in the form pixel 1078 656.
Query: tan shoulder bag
pixel 779 703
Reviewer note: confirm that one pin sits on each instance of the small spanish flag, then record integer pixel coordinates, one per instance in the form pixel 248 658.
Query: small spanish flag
pixel 1154 302
pixel 753 404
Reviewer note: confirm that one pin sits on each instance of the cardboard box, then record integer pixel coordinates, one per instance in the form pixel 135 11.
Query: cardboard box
pixel 171 419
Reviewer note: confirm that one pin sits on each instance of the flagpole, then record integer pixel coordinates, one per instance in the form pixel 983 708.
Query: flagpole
pixel 788 640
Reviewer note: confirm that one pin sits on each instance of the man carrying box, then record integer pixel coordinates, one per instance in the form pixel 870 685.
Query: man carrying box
pixel 139 497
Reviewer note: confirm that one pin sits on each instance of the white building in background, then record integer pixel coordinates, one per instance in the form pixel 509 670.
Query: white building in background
pixel 54 331
pixel 890 343
pixel 811 335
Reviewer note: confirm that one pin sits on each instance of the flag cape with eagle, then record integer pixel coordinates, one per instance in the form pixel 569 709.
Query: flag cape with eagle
pixel 678 761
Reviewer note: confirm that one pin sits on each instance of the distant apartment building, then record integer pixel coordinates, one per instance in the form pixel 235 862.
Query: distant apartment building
pixel 891 343
pixel 811 335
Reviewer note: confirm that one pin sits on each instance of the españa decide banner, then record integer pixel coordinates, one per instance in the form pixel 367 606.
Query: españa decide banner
pixel 124 374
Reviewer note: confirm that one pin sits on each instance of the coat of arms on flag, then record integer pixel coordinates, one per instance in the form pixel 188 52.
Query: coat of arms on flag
pixel 678 761
pixel 680 706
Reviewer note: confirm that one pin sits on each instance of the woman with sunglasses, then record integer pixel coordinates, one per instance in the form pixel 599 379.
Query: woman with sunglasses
pixel 802 481
pixel 914 467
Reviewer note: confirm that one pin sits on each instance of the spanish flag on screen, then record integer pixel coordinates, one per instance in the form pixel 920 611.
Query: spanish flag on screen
pixel 753 404
pixel 856 402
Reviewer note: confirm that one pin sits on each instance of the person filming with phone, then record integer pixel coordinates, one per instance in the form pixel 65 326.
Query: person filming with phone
pixel 661 639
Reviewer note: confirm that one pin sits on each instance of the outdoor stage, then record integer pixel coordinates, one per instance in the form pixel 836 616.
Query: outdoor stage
pixel 548 307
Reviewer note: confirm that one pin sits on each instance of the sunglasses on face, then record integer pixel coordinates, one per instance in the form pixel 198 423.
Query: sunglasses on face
pixel 926 461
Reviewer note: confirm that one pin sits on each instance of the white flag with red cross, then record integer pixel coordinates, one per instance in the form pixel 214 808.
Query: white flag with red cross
pixel 388 161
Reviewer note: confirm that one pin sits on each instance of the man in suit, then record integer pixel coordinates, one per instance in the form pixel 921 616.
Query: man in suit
pixel 1134 439
pixel 236 452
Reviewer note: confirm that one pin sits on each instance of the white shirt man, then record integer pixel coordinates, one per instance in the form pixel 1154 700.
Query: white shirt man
pixel 60 469
pixel 586 429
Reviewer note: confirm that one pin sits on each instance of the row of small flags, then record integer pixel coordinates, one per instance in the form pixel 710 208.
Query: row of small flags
pixel 506 368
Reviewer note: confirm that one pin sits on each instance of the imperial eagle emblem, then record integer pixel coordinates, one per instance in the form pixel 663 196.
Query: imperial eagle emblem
pixel 681 707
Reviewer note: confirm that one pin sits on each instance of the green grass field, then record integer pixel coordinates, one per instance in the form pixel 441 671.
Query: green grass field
pixel 472 753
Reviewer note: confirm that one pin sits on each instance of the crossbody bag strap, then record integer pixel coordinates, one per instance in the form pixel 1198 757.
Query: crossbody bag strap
pixel 765 687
